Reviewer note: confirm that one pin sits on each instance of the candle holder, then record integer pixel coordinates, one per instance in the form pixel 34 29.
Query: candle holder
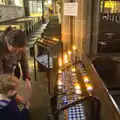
pixel 65 58
pixel 70 55
pixel 89 87
pixel 60 62
pixel 86 79
pixel 74 52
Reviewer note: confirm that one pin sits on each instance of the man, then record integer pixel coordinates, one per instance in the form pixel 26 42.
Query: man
pixel 12 52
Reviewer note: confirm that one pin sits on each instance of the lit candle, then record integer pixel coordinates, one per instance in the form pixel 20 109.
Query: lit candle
pixel 59 71
pixel 74 47
pixel 73 69
pixel 59 87
pixel 59 82
pixel 89 87
pixel 77 86
pixel 65 58
pixel 41 41
pixel 86 79
pixel 74 52
pixel 78 91
pixel 69 54
pixel 60 61
pixel 55 39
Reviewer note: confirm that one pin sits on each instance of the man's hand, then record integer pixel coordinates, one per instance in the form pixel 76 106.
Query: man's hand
pixel 20 99
pixel 28 83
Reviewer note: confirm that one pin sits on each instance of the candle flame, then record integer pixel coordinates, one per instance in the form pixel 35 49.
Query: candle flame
pixel 69 52
pixel 73 69
pixel 89 87
pixel 78 91
pixel 74 47
pixel 59 82
pixel 65 58
pixel 60 62
pixel 86 79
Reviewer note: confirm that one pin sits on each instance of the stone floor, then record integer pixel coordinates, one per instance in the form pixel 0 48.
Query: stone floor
pixel 38 95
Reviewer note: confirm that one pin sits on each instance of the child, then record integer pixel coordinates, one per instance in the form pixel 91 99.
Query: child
pixel 8 107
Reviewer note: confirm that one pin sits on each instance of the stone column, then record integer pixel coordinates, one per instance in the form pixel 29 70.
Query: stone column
pixel 79 27
pixel 65 27
pixel 26 7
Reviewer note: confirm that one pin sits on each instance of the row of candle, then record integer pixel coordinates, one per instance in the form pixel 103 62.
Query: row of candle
pixel 67 56
pixel 76 85
pixel 86 81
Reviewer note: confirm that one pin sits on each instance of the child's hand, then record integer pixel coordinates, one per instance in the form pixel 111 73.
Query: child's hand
pixel 20 99
pixel 27 105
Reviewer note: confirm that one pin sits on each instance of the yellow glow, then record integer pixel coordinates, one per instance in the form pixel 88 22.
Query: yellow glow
pixel 74 47
pixel 69 52
pixel 60 71
pixel 78 91
pixel 60 61
pixel 86 79
pixel 73 69
pixel 41 41
pixel 55 39
pixel 60 82
pixel 59 87
pixel 89 87
pixel 65 58
pixel 35 14
pixel 3 27
pixel 77 86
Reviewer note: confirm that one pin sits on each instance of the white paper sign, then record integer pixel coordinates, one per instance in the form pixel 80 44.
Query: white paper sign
pixel 70 9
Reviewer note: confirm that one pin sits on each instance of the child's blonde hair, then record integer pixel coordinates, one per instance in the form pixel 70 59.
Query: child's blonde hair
pixel 8 82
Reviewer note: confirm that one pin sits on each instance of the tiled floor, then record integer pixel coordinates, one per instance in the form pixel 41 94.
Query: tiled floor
pixel 38 96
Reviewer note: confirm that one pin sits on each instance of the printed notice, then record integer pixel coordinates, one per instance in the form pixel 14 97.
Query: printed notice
pixel 70 9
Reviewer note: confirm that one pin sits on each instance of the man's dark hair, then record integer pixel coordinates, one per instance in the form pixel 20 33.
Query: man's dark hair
pixel 16 38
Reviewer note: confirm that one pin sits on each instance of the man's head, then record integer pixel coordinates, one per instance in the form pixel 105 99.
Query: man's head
pixel 8 84
pixel 15 40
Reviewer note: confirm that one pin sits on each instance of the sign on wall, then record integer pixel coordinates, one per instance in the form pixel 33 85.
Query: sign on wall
pixel 70 9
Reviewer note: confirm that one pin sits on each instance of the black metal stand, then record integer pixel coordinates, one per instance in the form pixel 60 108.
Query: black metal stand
pixel 48 44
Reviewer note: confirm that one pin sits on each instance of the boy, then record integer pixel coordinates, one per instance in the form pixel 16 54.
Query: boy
pixel 8 105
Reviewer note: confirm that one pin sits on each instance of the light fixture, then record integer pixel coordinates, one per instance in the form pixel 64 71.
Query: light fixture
pixel 49 2
pixel 46 3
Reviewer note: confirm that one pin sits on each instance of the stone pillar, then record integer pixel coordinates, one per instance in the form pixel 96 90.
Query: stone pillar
pixel 79 24
pixel 65 28
pixel 26 7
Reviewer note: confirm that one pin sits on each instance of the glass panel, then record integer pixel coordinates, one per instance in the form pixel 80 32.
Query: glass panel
pixel 109 36
pixel 2 2
pixel 18 2
pixel 35 8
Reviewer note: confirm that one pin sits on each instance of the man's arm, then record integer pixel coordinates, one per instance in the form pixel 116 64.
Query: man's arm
pixel 24 65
